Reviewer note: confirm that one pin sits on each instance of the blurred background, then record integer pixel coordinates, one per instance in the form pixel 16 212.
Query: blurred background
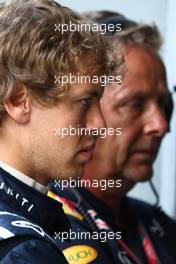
pixel 163 14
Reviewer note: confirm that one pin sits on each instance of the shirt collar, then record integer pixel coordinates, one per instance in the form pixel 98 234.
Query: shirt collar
pixel 24 178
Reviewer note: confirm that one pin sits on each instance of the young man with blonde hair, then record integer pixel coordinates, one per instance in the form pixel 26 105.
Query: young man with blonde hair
pixel 37 55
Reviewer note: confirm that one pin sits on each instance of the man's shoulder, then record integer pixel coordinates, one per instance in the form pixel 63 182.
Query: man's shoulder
pixel 144 207
pixel 12 224
pixel 29 250
pixel 139 205
pixel 23 240
pixel 149 212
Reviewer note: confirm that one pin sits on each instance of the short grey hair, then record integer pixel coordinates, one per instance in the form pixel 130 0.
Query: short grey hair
pixel 133 33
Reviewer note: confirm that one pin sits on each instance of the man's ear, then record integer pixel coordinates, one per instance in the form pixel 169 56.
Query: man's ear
pixel 18 105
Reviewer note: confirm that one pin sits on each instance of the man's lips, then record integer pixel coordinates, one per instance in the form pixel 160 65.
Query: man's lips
pixel 145 151
pixel 148 154
pixel 87 152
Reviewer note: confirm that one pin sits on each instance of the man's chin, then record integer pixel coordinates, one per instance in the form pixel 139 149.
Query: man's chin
pixel 77 173
pixel 139 174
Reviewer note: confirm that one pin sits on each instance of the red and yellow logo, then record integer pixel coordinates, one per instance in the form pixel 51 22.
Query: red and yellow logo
pixel 81 254
pixel 68 206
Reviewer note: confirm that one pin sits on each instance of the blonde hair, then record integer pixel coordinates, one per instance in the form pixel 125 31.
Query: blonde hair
pixel 32 52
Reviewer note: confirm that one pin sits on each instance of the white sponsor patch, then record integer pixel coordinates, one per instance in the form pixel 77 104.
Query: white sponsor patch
pixel 7 213
pixel 26 224
pixel 5 233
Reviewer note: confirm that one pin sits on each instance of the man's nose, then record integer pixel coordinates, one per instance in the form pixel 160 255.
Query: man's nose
pixel 95 118
pixel 156 123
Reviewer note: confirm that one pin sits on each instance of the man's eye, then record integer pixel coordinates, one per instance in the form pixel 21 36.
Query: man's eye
pixel 86 101
pixel 135 104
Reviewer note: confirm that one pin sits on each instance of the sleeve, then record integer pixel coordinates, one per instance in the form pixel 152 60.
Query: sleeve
pixel 34 251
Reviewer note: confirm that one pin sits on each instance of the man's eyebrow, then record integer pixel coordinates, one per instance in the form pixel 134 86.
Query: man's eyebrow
pixel 94 93
pixel 136 94
pixel 145 95
pixel 99 93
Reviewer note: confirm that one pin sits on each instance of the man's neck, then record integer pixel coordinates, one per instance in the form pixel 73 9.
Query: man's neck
pixel 23 178
pixel 112 197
